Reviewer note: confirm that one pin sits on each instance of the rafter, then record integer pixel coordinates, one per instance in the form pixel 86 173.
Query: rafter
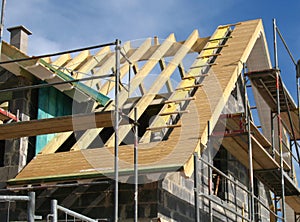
pixel 90 135
pixel 78 60
pixel 62 60
pixel 109 85
pixel 162 65
pixel 145 101
pixel 60 138
pixel 182 91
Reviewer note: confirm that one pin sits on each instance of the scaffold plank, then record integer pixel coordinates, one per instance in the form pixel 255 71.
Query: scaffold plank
pixel 265 83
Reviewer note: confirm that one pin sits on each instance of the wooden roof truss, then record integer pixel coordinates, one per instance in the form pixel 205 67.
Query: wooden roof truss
pixel 180 127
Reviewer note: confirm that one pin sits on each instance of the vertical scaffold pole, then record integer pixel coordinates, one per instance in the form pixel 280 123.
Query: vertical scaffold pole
pixel 251 180
pixel 298 95
pixel 272 134
pixel 136 180
pixel 279 119
pixel 275 45
pixel 54 210
pixel 209 173
pixel 196 188
pixel 116 160
pixel 31 206
pixel 2 24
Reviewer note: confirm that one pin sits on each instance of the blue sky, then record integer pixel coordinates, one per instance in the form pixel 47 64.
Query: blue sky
pixel 60 25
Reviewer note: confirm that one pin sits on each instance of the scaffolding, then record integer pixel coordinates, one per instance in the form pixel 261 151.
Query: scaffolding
pixel 273 161
pixel 30 199
pixel 264 160
pixel 279 182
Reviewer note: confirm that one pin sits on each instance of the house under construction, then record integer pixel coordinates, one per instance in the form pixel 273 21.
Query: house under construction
pixel 202 129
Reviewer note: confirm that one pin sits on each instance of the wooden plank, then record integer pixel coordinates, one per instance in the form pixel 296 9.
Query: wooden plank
pixel 175 112
pixel 58 124
pixel 154 157
pixel 78 60
pixel 294 203
pixel 180 100
pixel 90 135
pixel 142 85
pixel 210 102
pixel 180 95
pixel 110 84
pixel 145 101
pixel 56 142
pixel 262 156
pixel 224 77
pixel 260 137
pixel 107 64
pixel 59 139
pixel 164 127
pixel 189 87
pixel 92 62
pixel 162 65
pixel 240 154
pixel 10 52
pixel 62 60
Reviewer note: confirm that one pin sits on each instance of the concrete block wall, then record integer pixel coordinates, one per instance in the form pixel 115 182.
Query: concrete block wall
pixel 176 201
pixel 94 201
pixel 176 198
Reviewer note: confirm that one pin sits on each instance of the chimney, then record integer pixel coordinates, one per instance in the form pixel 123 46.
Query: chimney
pixel 19 37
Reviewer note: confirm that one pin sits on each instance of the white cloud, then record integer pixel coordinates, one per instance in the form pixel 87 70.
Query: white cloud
pixel 59 25
pixel 73 24
pixel 42 45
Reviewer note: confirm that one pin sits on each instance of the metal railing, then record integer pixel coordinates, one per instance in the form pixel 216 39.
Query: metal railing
pixel 53 217
pixel 236 184
pixel 30 206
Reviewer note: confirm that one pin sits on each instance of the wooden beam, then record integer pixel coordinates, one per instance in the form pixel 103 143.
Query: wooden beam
pixel 56 142
pixel 91 134
pixel 179 95
pixel 197 76
pixel 180 100
pixel 55 125
pixel 162 65
pixel 144 102
pixel 78 60
pixel 224 77
pixel 163 127
pixel 92 62
pixel 142 85
pixel 175 112
pixel 209 55
pixel 110 84
pixel 215 47
pixel 107 64
pixel 205 65
pixel 60 138
pixel 293 202
pixel 189 87
pixel 62 60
